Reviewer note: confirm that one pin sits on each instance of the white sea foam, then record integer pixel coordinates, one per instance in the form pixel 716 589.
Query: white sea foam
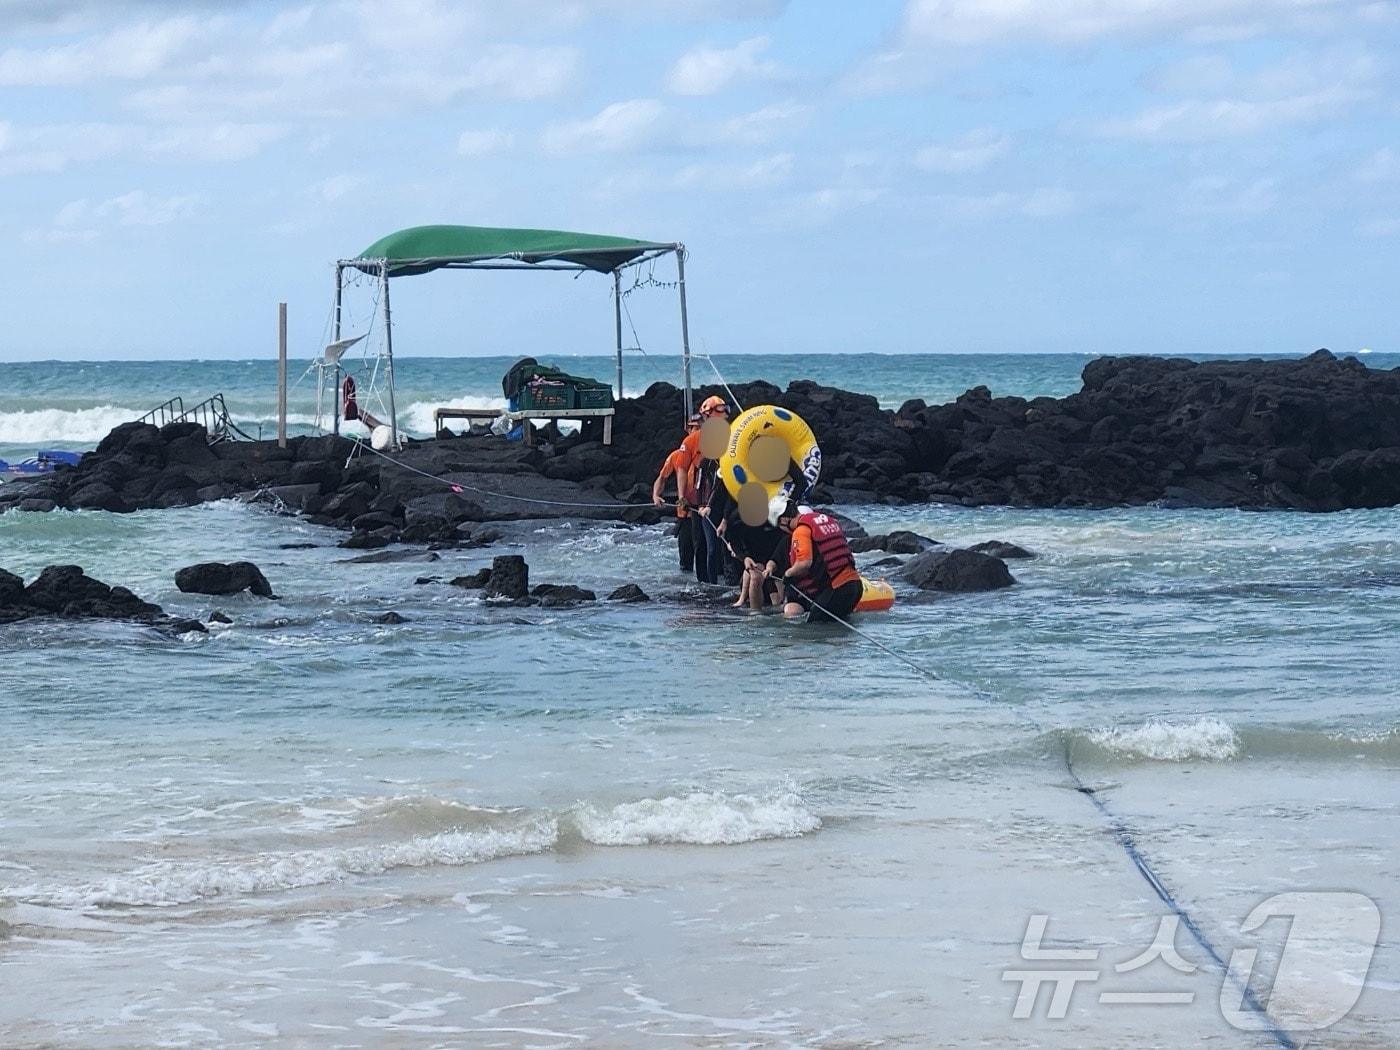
pixel 700 818
pixel 1208 738
pixel 170 883
pixel 57 425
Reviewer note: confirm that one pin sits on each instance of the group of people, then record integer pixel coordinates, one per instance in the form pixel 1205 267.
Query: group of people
pixel 798 560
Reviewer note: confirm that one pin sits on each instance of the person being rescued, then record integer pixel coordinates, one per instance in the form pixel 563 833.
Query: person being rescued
pixel 821 576
pixel 678 463
pixel 350 408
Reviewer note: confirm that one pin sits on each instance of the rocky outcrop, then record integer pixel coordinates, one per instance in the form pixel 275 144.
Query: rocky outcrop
pixel 629 593
pixel 1316 433
pixel 509 578
pixel 956 570
pixel 216 577
pixel 67 592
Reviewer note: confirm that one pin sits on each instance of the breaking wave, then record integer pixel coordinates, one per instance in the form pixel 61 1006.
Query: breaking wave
pixel 701 818
pixel 418 416
pixel 63 426
pixel 182 882
pixel 1205 738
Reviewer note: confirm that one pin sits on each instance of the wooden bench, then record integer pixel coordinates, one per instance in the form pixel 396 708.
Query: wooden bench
pixel 605 414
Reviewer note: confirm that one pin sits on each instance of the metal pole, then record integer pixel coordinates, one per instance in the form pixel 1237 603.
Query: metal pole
pixel 617 312
pixel 281 375
pixel 685 333
pixel 389 352
pixel 335 338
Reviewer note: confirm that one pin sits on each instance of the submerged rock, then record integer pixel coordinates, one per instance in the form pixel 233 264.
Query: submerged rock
pixel 1001 549
pixel 390 617
pixel 473 581
pixel 215 577
pixel 897 542
pixel 552 595
pixel 956 570
pixel 629 592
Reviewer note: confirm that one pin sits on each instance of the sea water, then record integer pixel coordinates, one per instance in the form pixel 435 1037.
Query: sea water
pixel 668 823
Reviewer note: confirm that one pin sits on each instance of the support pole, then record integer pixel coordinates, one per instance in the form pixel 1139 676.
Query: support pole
pixel 335 338
pixel 685 334
pixel 617 315
pixel 389 352
pixel 281 375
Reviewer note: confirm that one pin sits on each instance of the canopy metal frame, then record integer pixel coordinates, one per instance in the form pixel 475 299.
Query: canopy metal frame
pixel 382 269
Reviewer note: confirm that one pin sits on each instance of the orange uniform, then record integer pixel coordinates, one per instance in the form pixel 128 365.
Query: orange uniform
pixel 678 463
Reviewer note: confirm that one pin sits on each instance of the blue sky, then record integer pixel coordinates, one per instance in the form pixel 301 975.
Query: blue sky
pixel 929 175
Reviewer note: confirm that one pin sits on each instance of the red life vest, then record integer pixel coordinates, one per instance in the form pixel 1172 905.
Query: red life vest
pixel 831 554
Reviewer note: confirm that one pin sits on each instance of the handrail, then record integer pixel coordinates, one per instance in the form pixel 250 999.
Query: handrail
pixel 212 413
pixel 165 413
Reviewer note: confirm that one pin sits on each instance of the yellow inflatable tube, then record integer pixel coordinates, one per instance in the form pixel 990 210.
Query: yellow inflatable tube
pixel 763 444
pixel 875 596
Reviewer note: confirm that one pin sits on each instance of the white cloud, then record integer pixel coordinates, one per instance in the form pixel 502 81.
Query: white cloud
pixel 774 170
pixel 53 148
pixel 977 22
pixel 1388 226
pixel 128 53
pixel 484 142
pixel 1045 202
pixel 759 126
pixel 336 187
pixel 1191 76
pixel 1381 166
pixel 974 152
pixel 83 220
pixel 216 143
pixel 621 127
pixel 1295 92
pixel 708 70
pixel 1222 196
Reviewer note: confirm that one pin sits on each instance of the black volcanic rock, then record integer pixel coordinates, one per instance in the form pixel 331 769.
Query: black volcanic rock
pixel 1001 549
pixel 1316 434
pixel 509 577
pixel 215 577
pixel 956 570
pixel 66 592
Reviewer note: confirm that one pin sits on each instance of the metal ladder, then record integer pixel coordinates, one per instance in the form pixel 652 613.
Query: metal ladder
pixel 211 412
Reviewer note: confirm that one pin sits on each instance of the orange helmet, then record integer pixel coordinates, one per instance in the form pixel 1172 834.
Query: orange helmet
pixel 712 405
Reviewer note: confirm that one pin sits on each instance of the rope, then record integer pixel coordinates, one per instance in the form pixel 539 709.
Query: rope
pixel 710 361
pixel 1121 834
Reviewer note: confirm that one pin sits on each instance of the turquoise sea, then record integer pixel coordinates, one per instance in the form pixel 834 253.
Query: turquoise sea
pixel 669 824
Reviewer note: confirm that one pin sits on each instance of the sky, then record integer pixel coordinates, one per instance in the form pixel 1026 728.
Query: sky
pixel 946 176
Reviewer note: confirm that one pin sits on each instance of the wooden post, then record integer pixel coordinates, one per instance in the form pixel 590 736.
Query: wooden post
pixel 281 375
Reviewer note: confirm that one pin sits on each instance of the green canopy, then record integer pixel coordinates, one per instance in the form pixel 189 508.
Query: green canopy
pixel 421 249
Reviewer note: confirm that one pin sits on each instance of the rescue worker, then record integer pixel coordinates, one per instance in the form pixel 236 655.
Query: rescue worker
pixel 821 574
pixel 704 475
pixel 678 463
